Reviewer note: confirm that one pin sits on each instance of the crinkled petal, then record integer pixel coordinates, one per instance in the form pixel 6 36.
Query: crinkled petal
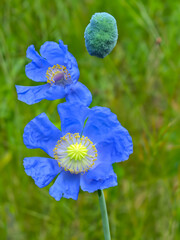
pixel 70 62
pixel 66 185
pixel 111 139
pixel 72 117
pixel 63 47
pixel 101 122
pixel 53 53
pixel 55 92
pixel 79 93
pixel 42 170
pixel 35 94
pixel 36 70
pixel 116 147
pixel 41 133
pixel 100 177
pixel 72 67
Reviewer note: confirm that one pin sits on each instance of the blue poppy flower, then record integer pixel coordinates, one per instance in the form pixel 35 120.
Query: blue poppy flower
pixel 58 68
pixel 82 153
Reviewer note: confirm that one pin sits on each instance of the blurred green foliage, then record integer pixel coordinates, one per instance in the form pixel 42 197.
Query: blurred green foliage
pixel 139 81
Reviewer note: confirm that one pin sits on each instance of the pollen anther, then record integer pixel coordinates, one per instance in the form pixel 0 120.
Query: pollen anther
pixel 58 74
pixel 75 154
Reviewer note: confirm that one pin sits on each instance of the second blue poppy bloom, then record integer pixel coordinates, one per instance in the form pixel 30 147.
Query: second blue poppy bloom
pixel 59 69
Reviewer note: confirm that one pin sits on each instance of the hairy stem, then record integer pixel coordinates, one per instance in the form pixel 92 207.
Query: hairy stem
pixel 104 215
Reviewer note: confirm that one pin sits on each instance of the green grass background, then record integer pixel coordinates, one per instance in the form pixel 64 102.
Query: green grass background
pixel 139 81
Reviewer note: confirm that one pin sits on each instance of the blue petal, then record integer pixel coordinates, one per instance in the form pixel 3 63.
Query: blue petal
pixel 101 121
pixel 41 133
pixel 31 95
pixel 63 47
pixel 35 94
pixel 100 177
pixel 72 67
pixel 117 147
pixel 53 53
pixel 79 93
pixel 42 170
pixel 72 117
pixel 36 70
pixel 66 185
pixel 111 139
pixel 55 92
pixel 70 62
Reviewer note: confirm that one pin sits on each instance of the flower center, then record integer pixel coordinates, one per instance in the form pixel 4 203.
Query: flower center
pixel 77 151
pixel 75 154
pixel 59 75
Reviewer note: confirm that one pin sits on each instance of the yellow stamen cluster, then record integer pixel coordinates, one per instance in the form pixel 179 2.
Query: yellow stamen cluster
pixel 57 69
pixel 75 154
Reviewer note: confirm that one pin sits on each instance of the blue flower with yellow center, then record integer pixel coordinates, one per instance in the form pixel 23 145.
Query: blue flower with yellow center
pixel 58 68
pixel 82 153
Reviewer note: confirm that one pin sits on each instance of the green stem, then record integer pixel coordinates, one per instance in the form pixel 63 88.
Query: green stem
pixel 104 215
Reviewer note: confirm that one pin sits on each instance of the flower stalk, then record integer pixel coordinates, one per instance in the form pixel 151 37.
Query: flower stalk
pixel 104 215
